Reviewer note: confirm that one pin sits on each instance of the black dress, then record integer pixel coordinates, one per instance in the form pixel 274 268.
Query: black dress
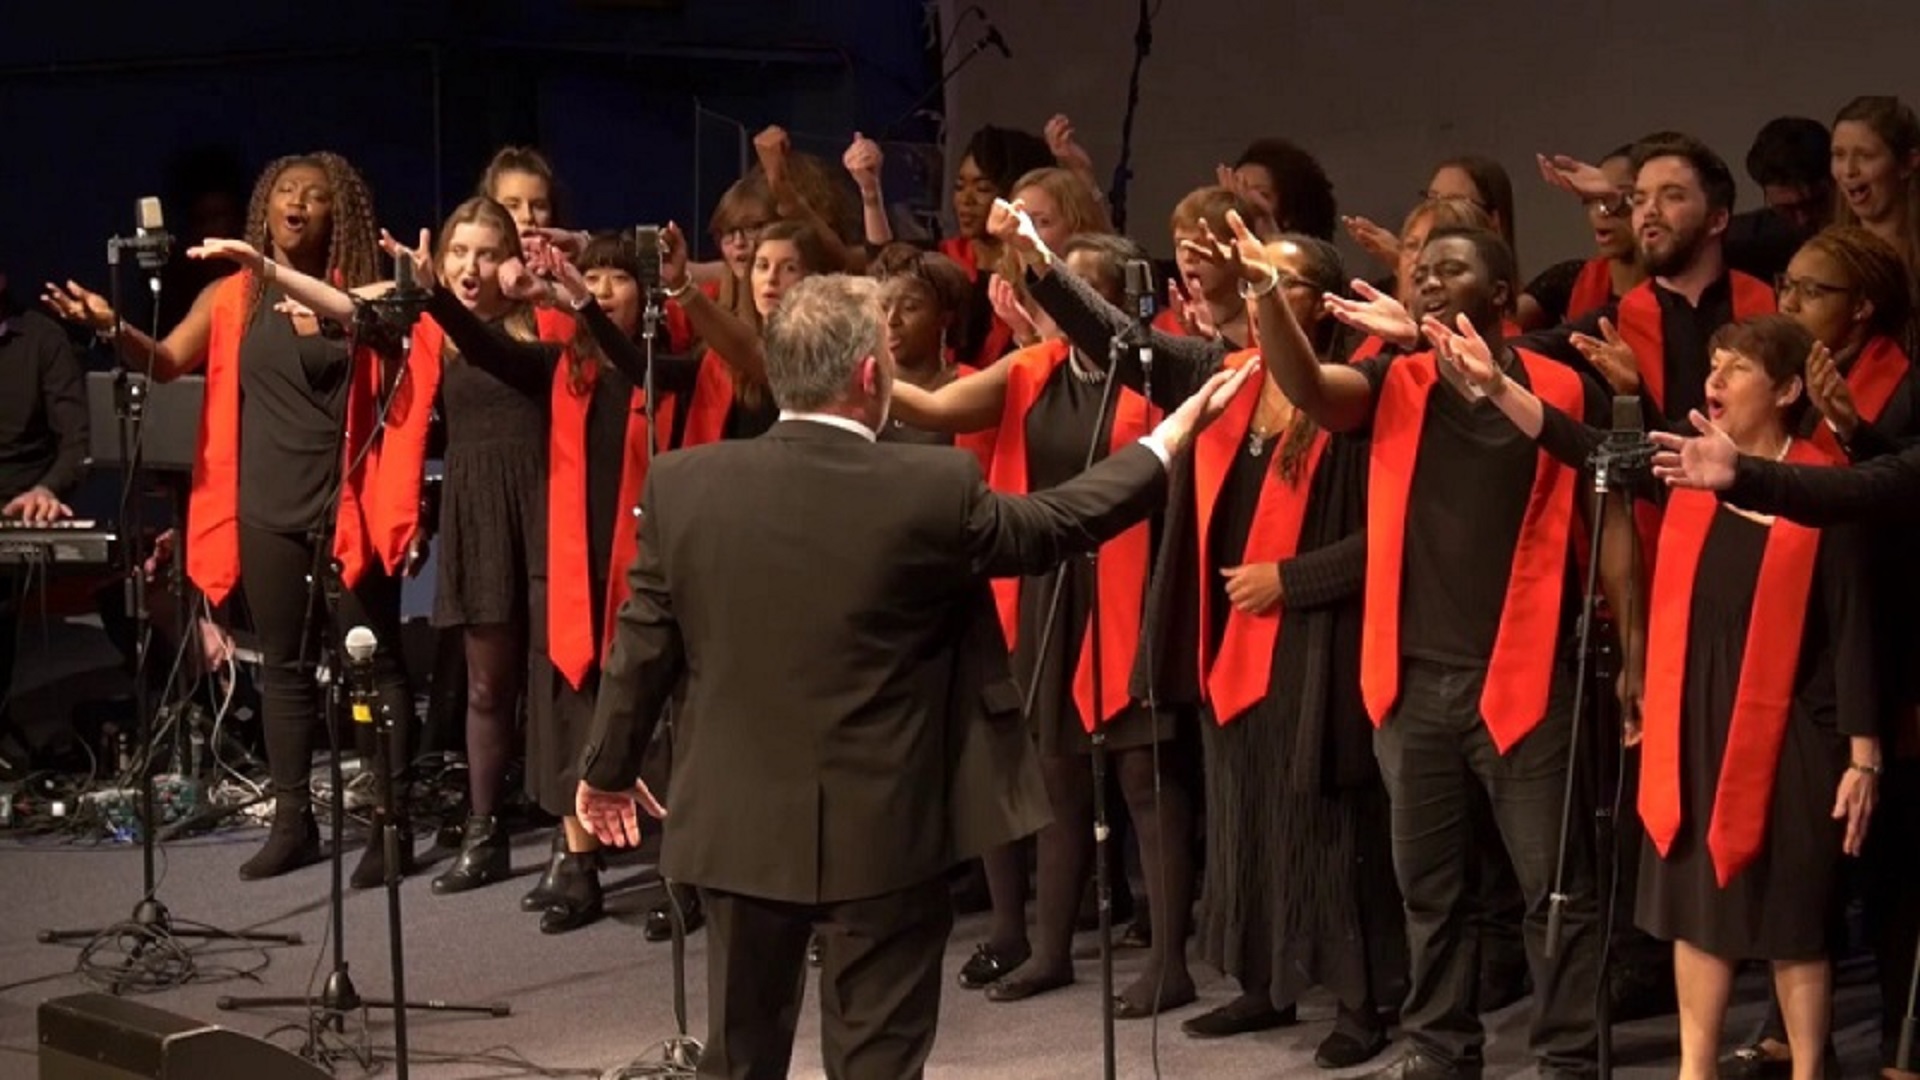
pixel 561 715
pixel 493 530
pixel 1776 908
pixel 1059 427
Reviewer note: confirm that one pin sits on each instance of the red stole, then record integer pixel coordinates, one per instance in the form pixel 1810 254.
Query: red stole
pixel 712 401
pixel 1243 671
pixel 1763 698
pixel 1639 321
pixel 362 531
pixel 569 584
pixel 1876 373
pixel 1168 322
pixel 1122 580
pixel 1520 671
pixel 999 339
pixel 1368 348
pixel 1592 289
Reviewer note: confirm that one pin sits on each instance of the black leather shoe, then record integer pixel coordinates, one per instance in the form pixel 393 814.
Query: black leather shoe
pixel 541 894
pixel 659 925
pixel 484 858
pixel 1752 1062
pixel 292 842
pixel 1240 1016
pixel 1414 1065
pixel 576 896
pixel 989 965
pixel 1341 1050
pixel 371 871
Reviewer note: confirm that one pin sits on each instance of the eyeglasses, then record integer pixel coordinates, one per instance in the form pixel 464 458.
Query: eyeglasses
pixel 741 232
pixel 1619 205
pixel 1806 288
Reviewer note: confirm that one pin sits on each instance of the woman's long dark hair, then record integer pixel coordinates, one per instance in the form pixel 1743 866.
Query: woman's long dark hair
pixel 1326 272
pixel 353 249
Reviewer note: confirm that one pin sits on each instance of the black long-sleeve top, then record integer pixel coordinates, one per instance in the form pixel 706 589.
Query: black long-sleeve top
pixel 43 406
pixel 1317 658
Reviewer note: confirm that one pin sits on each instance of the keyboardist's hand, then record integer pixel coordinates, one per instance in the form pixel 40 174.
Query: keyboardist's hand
pixel 36 505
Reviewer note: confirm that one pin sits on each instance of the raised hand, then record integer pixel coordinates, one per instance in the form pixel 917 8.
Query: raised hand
pixel 568 281
pixel 1374 313
pixel 1466 352
pixel 518 281
pixel 772 146
pixel 1176 432
pixel 863 161
pixel 673 258
pixel 568 240
pixel 79 305
pixel 420 256
pixel 1829 391
pixel 1196 319
pixel 1705 461
pixel 1008 223
pixel 1576 177
pixel 1253 588
pixel 1067 151
pixel 1008 308
pixel 234 251
pixel 1240 253
pixel 1374 239
pixel 1612 356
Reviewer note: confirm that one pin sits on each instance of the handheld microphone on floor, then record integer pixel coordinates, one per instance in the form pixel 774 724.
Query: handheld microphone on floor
pixel 360 646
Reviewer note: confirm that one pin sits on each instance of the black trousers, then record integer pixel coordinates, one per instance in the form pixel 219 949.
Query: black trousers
pixel 879 982
pixel 9 642
pixel 1433 750
pixel 289 624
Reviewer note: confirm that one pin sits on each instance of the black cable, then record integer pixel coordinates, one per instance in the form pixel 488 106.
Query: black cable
pixel 1123 166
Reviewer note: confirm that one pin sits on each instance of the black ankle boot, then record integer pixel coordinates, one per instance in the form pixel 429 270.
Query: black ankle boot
pixel 293 841
pixel 541 894
pixel 483 858
pixel 371 871
pixel 576 894
pixel 659 926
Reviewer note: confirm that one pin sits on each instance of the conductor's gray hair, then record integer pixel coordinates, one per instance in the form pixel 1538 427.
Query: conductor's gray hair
pixel 825 325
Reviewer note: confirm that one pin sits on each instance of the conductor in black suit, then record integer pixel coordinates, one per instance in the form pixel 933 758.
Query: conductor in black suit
pixel 850 729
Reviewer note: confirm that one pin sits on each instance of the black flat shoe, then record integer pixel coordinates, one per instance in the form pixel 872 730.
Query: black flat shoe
pixel 484 859
pixel 1020 989
pixel 1240 1016
pixel 1343 1051
pixel 1414 1065
pixel 989 965
pixel 1752 1062
pixel 1176 997
pixel 577 899
pixel 538 897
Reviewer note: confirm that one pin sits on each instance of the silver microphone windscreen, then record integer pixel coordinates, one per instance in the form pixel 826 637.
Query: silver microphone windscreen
pixel 1139 277
pixel 149 216
pixel 360 644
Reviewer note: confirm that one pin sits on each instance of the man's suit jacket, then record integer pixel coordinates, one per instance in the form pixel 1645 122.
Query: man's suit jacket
pixel 849 726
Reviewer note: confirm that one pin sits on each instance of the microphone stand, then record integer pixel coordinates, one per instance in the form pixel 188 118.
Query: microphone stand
pixel 1610 458
pixel 338 996
pixel 680 1054
pixel 1102 873
pixel 151 925
pixel 946 77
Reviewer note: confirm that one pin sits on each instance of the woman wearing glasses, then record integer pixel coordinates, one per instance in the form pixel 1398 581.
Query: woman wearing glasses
pixel 1575 289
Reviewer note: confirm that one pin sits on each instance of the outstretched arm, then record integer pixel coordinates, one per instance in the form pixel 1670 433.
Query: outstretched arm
pixel 967 404
pixel 182 350
pixel 724 332
pixel 1884 489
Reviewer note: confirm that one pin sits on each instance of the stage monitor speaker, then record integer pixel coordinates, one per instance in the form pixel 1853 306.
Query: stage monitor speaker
pixel 100 1037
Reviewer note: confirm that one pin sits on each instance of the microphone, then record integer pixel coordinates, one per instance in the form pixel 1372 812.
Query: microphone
pixel 149 243
pixel 1139 282
pixel 360 646
pixel 1626 451
pixel 994 39
pixel 403 304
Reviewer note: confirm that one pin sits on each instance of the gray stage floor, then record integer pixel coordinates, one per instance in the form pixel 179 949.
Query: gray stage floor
pixel 598 998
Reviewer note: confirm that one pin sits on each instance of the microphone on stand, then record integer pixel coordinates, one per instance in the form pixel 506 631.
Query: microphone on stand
pixel 1626 452
pixel 1139 284
pixel 360 646
pixel 150 242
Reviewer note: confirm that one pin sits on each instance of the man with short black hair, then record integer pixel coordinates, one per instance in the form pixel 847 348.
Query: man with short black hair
pixel 1789 160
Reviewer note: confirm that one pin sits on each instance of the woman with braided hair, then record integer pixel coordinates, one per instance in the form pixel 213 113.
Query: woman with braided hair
pixel 281 388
